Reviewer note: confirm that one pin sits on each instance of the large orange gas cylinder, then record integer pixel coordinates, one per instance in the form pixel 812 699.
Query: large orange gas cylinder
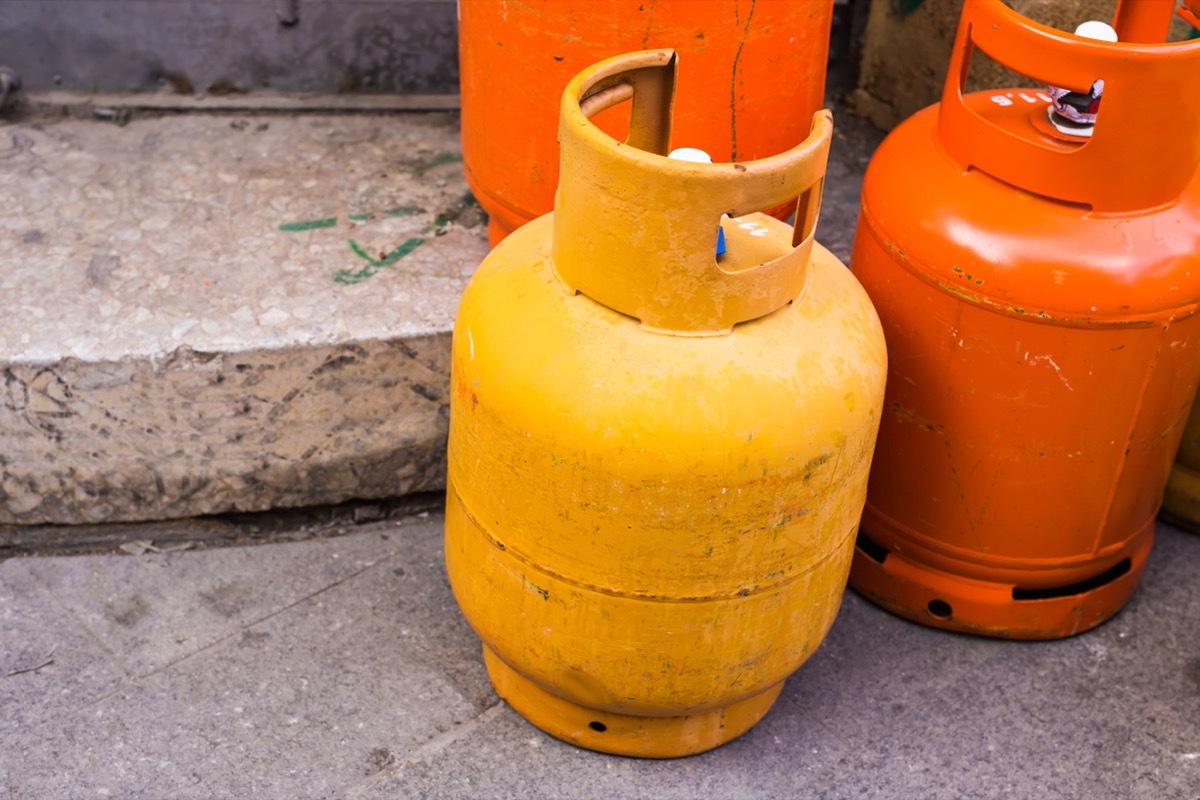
pixel 753 73
pixel 1038 291
pixel 658 456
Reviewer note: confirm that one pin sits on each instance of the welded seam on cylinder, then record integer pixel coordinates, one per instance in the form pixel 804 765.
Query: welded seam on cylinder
pixel 922 542
pixel 736 595
pixel 921 271
pixel 1119 472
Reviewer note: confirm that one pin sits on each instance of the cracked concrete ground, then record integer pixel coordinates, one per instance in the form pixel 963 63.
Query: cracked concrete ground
pixel 341 668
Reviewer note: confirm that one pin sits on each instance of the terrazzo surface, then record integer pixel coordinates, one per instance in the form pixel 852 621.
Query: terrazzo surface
pixel 227 234
pixel 208 313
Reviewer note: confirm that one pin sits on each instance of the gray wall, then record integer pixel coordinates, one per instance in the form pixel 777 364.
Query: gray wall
pixel 193 46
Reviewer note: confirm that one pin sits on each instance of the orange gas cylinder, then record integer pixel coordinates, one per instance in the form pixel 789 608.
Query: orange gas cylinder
pixel 1038 291
pixel 658 456
pixel 753 73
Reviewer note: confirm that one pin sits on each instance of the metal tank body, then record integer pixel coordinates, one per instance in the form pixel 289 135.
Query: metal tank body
pixel 752 72
pixel 1038 293
pixel 657 461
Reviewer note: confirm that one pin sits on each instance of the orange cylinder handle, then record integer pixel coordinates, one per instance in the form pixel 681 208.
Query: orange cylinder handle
pixel 1189 12
pixel 637 231
pixel 651 88
pixel 1145 146
pixel 1143 20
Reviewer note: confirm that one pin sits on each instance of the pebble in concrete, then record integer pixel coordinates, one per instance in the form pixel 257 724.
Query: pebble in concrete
pixel 211 313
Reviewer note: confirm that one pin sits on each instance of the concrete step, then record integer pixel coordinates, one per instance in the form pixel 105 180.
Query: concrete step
pixel 205 313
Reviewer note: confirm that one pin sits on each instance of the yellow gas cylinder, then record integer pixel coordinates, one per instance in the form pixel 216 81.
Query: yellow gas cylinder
pixel 1181 500
pixel 658 456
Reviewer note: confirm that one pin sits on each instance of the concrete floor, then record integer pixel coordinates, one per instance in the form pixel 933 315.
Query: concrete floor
pixel 340 667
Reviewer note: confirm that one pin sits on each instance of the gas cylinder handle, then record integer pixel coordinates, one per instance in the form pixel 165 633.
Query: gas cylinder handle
pixel 1145 146
pixel 1189 12
pixel 636 231
pixel 652 88
pixel 1142 21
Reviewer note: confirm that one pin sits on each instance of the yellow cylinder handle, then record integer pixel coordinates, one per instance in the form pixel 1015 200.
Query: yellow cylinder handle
pixel 637 231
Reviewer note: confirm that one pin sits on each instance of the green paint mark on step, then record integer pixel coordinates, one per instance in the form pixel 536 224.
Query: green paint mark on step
pixel 348 277
pixel 437 161
pixel 398 211
pixel 404 211
pixel 400 252
pixel 329 222
pixel 386 260
pixel 308 225
pixel 389 258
